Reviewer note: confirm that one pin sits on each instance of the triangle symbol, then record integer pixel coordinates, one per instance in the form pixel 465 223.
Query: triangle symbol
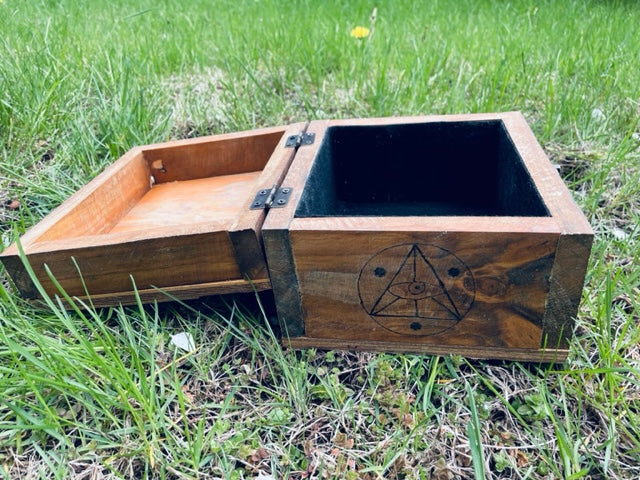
pixel 415 290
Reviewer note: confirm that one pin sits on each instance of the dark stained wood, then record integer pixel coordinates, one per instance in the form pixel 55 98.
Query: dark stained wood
pixel 567 281
pixel 284 282
pixel 176 217
pixel 500 303
pixel 245 232
pixel 247 250
pixel 574 245
pixel 275 233
pixel 490 293
pixel 541 355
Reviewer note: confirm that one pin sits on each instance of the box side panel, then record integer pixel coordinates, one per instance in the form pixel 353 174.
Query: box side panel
pixel 155 262
pixel 567 281
pixel 501 353
pixel 97 206
pixel 245 231
pixel 284 281
pixel 277 239
pixel 212 156
pixel 469 289
pixel 550 186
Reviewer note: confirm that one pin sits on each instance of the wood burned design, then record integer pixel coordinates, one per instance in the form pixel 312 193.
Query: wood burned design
pixel 416 289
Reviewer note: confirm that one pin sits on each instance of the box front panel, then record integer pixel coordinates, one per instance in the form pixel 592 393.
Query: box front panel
pixel 154 262
pixel 475 289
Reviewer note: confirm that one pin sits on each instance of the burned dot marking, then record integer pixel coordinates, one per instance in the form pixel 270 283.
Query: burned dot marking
pixel 454 272
pixel 380 272
pixel 415 326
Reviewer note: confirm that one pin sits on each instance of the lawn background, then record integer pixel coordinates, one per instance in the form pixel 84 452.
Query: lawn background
pixel 104 394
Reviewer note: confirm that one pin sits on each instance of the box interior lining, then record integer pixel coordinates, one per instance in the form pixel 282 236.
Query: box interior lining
pixel 467 168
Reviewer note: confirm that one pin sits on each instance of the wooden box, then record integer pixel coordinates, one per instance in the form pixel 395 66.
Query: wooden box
pixel 441 234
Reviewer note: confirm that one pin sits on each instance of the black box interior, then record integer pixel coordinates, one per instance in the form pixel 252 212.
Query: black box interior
pixel 430 169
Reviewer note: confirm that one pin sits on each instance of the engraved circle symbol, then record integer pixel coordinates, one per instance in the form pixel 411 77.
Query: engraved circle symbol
pixel 416 289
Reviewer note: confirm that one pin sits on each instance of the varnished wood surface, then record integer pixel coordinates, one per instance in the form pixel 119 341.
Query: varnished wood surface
pixel 163 261
pixel 187 202
pixel 275 232
pixel 95 208
pixel 171 230
pixel 280 219
pixel 554 193
pixel 566 284
pixel 212 156
pixel 329 253
pixel 552 189
pixel 516 290
pixel 574 245
pixel 528 355
pixel 181 292
pixel 474 289
pixel 428 224
pixel 245 232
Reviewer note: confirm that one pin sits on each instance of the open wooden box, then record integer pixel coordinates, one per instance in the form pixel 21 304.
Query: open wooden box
pixel 442 234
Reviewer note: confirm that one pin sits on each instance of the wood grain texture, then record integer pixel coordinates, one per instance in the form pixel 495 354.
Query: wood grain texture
pixel 284 281
pixel 567 282
pixel 181 292
pixel 203 200
pixel 574 245
pixel 526 355
pixel 212 156
pixel 162 262
pixel 174 233
pixel 96 207
pixel 552 189
pixel 275 234
pixel 430 224
pixel 466 289
pixel 521 298
pixel 482 286
pixel 245 232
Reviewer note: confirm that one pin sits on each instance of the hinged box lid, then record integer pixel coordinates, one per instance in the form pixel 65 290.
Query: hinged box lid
pixel 178 218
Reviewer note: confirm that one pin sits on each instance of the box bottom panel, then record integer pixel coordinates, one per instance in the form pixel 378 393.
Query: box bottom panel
pixel 188 202
pixel 494 353
pixel 182 292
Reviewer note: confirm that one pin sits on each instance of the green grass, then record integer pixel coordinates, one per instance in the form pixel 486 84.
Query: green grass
pixel 104 394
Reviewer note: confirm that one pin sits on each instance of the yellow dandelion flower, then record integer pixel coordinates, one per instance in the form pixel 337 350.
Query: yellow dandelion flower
pixel 360 32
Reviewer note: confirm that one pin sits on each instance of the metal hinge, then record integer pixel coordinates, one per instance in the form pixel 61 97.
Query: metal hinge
pixel 271 198
pixel 294 141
